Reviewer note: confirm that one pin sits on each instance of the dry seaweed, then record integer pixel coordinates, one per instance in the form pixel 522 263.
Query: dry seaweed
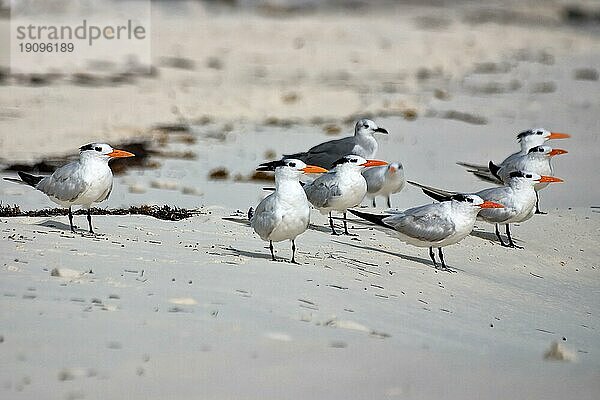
pixel 164 212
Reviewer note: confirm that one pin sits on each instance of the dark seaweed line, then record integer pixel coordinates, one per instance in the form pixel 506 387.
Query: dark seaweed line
pixel 164 212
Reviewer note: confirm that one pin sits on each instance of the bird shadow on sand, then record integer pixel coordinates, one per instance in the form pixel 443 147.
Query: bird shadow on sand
pixel 419 260
pixel 312 227
pixel 55 225
pixel 491 236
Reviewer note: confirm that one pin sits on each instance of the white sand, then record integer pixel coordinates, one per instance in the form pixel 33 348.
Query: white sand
pixel 195 309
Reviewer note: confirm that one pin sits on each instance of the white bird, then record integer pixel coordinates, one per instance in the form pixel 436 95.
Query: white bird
pixel 518 197
pixel 79 183
pixel 285 213
pixel 527 139
pixel 538 160
pixel 361 144
pixel 433 225
pixel 341 188
pixel 384 180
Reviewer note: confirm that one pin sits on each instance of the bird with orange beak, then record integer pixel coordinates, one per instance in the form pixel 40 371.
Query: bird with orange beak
pixel 518 196
pixel 384 181
pixel 285 213
pixel 341 188
pixel 527 139
pixel 83 182
pixel 434 225
pixel 538 160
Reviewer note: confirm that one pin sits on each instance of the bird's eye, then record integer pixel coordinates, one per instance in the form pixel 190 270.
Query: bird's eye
pixel 538 132
pixel 529 176
pixel 353 160
pixel 292 164
pixel 365 125
pixel 470 200
pixel 98 149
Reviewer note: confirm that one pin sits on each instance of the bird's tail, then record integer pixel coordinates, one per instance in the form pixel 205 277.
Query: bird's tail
pixel 377 219
pixel 434 193
pixel 250 213
pixel 482 172
pixel 27 179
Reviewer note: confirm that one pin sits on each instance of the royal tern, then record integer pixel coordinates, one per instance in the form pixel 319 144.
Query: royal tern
pixel 361 144
pixel 384 180
pixel 527 139
pixel 537 160
pixel 518 197
pixel 79 183
pixel 285 213
pixel 433 225
pixel 341 188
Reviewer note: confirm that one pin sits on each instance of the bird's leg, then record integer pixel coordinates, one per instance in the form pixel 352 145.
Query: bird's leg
pixel 510 241
pixel 537 204
pixel 432 255
pixel 374 203
pixel 293 261
pixel 89 218
pixel 500 237
pixel 71 220
pixel 346 227
pixel 271 248
pixel 333 232
pixel 389 202
pixel 444 267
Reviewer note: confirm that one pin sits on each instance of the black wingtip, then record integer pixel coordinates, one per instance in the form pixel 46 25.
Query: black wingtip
pixel 29 179
pixel 494 169
pixel 250 213
pixel 374 218
pixel 435 196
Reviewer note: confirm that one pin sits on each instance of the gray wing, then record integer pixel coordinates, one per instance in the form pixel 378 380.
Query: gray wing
pixel 325 154
pixel 375 177
pixel 427 222
pixel 64 184
pixel 481 171
pixel 501 195
pixel 510 159
pixel 322 189
pixel 264 219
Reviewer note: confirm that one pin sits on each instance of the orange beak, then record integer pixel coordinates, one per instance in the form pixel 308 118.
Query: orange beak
pixel 556 152
pixel 556 135
pixel 546 178
pixel 120 154
pixel 313 169
pixel 374 163
pixel 490 204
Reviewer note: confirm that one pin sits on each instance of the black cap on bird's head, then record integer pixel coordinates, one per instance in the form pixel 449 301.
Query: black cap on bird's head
pixel 293 164
pixel 271 165
pixel 359 161
pixel 103 150
pixel 541 133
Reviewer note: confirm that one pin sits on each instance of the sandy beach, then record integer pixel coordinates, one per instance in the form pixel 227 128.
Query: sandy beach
pixel 195 308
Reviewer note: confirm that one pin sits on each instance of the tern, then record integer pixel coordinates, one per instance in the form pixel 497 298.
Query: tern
pixel 518 197
pixel 537 160
pixel 361 144
pixel 433 225
pixel 79 183
pixel 341 188
pixel 384 181
pixel 527 139
pixel 285 213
